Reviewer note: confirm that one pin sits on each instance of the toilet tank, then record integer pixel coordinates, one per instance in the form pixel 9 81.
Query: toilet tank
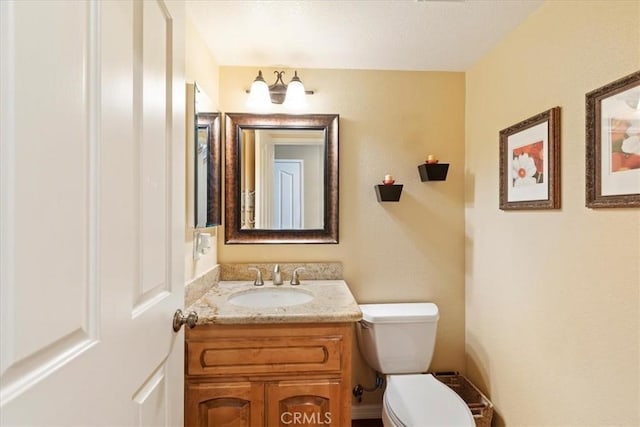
pixel 398 338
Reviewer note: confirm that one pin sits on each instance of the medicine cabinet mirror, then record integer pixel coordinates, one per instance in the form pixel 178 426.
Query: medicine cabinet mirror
pixel 281 181
pixel 207 163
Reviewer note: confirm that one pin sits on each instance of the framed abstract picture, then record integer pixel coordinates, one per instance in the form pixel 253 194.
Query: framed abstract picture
pixel 613 144
pixel 530 163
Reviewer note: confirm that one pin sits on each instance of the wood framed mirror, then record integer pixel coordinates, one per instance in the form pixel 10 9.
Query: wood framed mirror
pixel 204 164
pixel 207 170
pixel 281 181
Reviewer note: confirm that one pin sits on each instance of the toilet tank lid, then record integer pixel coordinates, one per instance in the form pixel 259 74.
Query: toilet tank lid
pixel 400 312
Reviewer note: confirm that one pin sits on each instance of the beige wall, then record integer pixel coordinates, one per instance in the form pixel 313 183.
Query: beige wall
pixel 552 297
pixel 202 68
pixel 407 251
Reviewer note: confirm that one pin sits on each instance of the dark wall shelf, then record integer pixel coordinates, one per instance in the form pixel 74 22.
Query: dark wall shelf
pixel 388 193
pixel 433 171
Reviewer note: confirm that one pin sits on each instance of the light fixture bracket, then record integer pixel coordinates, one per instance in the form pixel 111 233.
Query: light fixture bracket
pixel 278 90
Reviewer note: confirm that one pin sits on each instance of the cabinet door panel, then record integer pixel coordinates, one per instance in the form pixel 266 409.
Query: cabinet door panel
pixel 238 404
pixel 310 403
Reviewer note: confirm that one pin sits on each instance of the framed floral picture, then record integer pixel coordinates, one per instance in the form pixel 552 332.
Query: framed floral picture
pixel 530 163
pixel 613 144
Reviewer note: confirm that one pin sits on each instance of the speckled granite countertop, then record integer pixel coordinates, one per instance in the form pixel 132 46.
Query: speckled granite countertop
pixel 333 302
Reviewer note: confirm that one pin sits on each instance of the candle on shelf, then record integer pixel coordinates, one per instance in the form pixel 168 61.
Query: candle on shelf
pixel 388 180
pixel 431 159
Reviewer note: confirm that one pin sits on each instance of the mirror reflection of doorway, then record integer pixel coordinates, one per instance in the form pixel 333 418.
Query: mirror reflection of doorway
pixel 288 194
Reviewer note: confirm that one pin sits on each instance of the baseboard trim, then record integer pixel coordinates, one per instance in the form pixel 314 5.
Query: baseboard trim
pixel 363 412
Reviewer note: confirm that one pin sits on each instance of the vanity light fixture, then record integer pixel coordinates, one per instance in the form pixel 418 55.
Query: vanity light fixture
pixel 292 96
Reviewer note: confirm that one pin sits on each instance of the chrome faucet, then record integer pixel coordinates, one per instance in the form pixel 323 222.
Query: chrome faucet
pixel 294 277
pixel 258 281
pixel 277 275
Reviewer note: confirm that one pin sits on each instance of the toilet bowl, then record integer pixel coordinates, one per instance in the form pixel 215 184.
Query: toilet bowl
pixel 421 401
pixel 398 340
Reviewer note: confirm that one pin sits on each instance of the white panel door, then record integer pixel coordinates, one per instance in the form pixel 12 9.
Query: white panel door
pixel 288 200
pixel 91 212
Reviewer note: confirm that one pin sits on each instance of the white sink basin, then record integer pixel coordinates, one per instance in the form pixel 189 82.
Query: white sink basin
pixel 270 297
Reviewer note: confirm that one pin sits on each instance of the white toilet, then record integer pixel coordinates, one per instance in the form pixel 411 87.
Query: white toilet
pixel 397 340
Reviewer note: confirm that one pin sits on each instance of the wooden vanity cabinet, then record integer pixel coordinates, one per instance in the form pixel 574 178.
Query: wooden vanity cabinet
pixel 268 375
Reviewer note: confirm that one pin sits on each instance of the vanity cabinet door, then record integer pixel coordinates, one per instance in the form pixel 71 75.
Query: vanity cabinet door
pixel 309 403
pixel 232 404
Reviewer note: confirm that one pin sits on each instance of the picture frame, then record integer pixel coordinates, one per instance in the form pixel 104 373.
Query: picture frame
pixel 613 144
pixel 530 163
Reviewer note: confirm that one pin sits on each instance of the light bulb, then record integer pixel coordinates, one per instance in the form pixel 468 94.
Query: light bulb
pixel 296 97
pixel 259 98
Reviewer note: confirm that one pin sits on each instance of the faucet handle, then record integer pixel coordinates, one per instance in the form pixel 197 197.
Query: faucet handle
pixel 294 277
pixel 258 281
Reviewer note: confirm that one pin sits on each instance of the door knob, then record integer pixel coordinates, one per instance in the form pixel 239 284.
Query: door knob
pixel 180 319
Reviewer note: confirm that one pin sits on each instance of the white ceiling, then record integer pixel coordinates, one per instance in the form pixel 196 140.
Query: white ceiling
pixel 438 35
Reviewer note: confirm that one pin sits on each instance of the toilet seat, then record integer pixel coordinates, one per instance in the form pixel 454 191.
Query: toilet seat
pixel 421 401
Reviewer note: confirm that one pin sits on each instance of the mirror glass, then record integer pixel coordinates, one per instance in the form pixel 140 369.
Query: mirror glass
pixel 282 183
pixel 281 179
pixel 207 163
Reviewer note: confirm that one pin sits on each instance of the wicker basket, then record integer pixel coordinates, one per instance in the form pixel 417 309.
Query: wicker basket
pixel 480 406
